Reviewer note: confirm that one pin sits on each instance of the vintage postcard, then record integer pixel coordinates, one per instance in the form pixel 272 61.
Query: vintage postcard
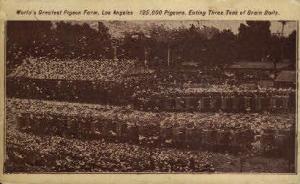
pixel 149 92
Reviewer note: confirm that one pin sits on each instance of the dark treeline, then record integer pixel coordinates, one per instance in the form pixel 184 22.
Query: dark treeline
pixel 158 46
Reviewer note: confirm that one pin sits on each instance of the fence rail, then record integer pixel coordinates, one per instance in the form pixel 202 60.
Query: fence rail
pixel 225 103
pixel 110 92
pixel 154 135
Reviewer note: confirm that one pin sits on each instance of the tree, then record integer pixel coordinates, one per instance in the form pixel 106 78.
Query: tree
pixel 27 38
pixel 193 44
pixel 290 49
pixel 222 48
pixel 283 23
pixel 275 50
pixel 253 39
pixel 163 42
pixel 282 48
pixel 133 45
pixel 103 41
pixel 167 47
pixel 74 40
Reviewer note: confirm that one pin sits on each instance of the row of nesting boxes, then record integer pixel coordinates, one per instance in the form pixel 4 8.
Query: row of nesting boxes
pixel 228 103
pixel 102 92
pixel 151 134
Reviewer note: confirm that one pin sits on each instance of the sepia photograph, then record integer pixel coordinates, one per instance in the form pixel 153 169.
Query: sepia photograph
pixel 151 96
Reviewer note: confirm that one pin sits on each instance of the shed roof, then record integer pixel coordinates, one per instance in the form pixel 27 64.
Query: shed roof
pixel 258 65
pixel 193 64
pixel 286 76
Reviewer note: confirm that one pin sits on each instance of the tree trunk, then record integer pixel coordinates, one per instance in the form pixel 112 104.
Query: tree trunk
pixel 169 59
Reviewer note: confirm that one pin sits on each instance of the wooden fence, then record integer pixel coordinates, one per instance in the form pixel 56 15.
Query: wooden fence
pixel 154 134
pixel 110 92
pixel 226 103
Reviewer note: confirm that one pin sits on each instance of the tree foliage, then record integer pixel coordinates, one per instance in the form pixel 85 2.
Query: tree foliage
pixel 27 38
pixel 56 40
pixel 254 39
pixel 207 46
pixel 82 41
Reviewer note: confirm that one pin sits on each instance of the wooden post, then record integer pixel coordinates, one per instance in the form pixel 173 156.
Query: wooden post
pixel 169 50
pixel 115 53
pixel 146 55
pixel 241 164
pixel 224 103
